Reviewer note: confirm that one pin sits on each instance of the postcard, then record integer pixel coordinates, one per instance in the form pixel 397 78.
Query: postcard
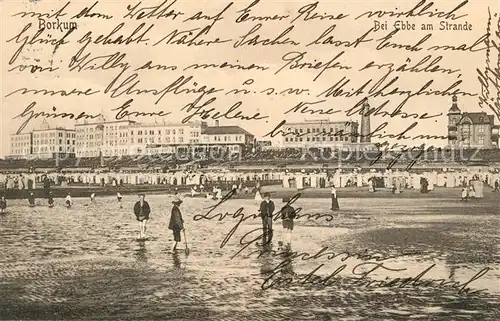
pixel 250 160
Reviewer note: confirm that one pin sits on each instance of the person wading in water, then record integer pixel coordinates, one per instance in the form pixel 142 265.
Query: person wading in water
pixel 31 199
pixel 287 216
pixel 3 204
pixel 142 212
pixel 51 199
pixel 335 201
pixel 69 201
pixel 176 223
pixel 119 199
pixel 266 213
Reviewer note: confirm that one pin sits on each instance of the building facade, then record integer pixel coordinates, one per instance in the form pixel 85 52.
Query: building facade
pixel 51 141
pixel 161 138
pixel 228 138
pixel 125 137
pixel 109 138
pixel 21 145
pixel 471 130
pixel 320 134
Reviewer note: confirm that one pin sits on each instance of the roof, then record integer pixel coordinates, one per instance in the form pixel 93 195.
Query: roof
pixel 454 106
pixel 454 109
pixel 225 130
pixel 54 129
pixel 105 122
pixel 479 118
pixel 321 122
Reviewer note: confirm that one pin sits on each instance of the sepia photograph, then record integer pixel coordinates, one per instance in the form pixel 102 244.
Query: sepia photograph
pixel 250 160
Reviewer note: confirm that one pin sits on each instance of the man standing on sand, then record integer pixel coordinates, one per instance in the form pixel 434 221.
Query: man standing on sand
pixel 266 213
pixel 176 223
pixel 142 212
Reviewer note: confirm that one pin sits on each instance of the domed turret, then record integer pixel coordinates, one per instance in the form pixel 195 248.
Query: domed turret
pixel 454 106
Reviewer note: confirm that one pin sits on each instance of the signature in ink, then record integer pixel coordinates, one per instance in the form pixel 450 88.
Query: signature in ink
pixel 489 78
pixel 280 277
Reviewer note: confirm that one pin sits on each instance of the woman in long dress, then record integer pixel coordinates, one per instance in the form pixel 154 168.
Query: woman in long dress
pixel 335 202
pixel 176 224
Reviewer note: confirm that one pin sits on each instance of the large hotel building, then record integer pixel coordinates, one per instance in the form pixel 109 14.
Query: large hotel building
pixel 339 135
pixel 126 137
pixel 45 142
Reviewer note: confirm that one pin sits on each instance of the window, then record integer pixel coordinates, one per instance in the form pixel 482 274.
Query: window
pixel 481 128
pixel 481 141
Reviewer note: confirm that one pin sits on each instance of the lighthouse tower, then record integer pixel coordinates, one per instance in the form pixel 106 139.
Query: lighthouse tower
pixel 365 123
pixel 454 116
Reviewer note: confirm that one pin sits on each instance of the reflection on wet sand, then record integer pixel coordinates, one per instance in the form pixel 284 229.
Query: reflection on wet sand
pixel 86 252
pixel 141 252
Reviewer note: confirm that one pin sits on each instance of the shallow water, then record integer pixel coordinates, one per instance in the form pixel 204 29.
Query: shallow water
pixel 86 263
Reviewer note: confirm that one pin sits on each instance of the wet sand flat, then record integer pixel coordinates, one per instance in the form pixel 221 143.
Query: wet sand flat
pixel 85 262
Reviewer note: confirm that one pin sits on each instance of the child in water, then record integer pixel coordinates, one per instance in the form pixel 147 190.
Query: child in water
pixel 464 194
pixel 31 199
pixel 92 197
pixel 51 200
pixel 68 201
pixel 3 204
pixel 119 199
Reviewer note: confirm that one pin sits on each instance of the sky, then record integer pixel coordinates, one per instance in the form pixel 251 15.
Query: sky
pixel 293 72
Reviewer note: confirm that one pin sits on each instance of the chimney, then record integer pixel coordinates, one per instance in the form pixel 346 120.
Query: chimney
pixel 365 123
pixel 216 123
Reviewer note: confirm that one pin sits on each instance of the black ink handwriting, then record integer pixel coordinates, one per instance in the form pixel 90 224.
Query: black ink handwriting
pixel 233 112
pixel 251 39
pixel 124 112
pixel 36 39
pixel 136 12
pixel 178 86
pixel 423 11
pixel 190 37
pixel 294 59
pixel 87 13
pixel 28 114
pixel 307 13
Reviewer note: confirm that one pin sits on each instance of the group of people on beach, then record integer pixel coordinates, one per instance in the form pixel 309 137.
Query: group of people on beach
pixel 142 212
